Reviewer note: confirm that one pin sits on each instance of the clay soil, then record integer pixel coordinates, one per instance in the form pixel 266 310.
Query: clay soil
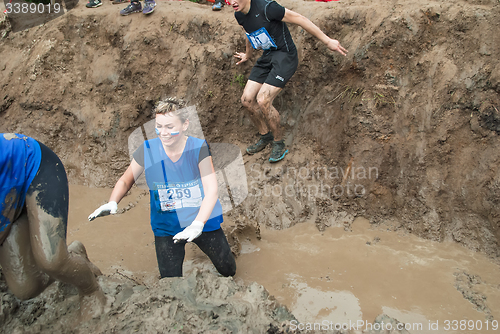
pixel 406 126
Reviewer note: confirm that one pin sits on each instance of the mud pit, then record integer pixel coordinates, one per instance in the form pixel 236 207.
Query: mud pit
pixel 332 275
pixel 416 102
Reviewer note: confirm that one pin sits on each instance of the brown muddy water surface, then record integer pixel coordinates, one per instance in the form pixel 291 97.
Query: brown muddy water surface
pixel 330 277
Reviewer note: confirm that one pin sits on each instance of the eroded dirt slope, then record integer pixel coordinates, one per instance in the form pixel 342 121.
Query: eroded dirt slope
pixel 416 100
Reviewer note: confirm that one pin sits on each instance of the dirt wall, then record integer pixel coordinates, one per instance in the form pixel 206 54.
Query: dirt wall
pixel 416 101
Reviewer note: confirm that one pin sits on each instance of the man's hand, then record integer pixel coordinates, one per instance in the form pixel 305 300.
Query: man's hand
pixel 104 210
pixel 242 56
pixel 191 232
pixel 334 45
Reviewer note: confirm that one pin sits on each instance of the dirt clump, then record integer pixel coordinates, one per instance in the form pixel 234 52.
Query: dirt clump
pixel 200 302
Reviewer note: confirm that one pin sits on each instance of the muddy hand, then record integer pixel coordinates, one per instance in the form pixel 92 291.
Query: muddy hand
pixel 104 210
pixel 334 45
pixel 191 232
pixel 242 56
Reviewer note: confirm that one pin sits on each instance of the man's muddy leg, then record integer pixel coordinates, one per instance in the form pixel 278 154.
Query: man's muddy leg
pixel 23 277
pixel 248 99
pixel 47 207
pixel 265 98
pixel 47 202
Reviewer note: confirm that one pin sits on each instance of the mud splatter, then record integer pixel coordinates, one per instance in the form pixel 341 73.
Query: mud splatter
pixel 466 284
pixel 9 207
pixel 10 136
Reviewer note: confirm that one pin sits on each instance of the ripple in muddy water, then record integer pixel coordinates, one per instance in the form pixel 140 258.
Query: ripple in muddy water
pixel 323 277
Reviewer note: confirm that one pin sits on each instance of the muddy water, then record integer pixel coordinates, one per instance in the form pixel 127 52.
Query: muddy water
pixel 333 277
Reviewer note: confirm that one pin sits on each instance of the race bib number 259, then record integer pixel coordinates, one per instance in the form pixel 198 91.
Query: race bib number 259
pixel 179 195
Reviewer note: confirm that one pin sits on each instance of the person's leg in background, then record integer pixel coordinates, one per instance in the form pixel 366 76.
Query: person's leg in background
pixel 249 101
pixel 218 5
pixel 94 3
pixel 134 7
pixel 265 98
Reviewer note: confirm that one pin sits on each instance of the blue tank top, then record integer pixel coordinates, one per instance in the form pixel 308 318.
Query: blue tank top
pixel 20 158
pixel 175 188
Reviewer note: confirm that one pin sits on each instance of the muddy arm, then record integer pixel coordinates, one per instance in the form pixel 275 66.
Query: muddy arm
pixel 210 189
pixel 126 181
pixel 307 25
pixel 248 52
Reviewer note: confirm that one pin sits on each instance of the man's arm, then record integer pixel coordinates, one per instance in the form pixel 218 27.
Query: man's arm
pixel 307 25
pixel 248 52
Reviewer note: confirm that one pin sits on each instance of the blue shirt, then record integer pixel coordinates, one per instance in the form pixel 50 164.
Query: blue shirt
pixel 175 188
pixel 20 158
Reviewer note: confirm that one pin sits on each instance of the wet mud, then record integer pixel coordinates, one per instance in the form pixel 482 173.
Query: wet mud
pixel 417 97
pixel 335 275
pixel 416 100
pixel 201 302
pixel 285 279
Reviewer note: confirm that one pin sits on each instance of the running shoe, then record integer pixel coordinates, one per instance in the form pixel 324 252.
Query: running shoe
pixel 118 2
pixel 218 6
pixel 134 7
pixel 264 140
pixel 278 152
pixel 93 3
pixel 149 6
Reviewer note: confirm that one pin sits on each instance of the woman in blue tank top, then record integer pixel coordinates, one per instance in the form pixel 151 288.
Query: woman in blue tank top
pixel 183 193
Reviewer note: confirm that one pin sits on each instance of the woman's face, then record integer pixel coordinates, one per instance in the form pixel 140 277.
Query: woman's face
pixel 170 128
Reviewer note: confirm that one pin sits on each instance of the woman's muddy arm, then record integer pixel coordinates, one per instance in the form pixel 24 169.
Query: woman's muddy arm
pixel 126 181
pixel 209 181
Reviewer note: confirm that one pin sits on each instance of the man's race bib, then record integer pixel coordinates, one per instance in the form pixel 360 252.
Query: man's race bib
pixel 178 195
pixel 260 39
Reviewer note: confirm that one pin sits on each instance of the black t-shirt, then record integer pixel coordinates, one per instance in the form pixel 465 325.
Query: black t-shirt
pixel 267 14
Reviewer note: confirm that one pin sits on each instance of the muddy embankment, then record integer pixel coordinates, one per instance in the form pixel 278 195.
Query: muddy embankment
pixel 404 130
pixel 199 303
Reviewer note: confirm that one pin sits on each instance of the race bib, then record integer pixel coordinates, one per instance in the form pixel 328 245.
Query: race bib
pixel 260 39
pixel 175 196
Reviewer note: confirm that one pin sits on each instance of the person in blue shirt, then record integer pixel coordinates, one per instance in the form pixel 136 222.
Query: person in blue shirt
pixel 184 206
pixel 34 198
pixel 265 24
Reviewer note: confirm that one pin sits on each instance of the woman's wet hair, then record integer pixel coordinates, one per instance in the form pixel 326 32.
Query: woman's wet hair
pixel 173 106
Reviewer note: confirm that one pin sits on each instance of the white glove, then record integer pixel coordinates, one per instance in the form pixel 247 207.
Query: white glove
pixel 104 210
pixel 190 233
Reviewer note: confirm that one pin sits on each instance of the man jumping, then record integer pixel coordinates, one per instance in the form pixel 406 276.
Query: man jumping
pixel 265 24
